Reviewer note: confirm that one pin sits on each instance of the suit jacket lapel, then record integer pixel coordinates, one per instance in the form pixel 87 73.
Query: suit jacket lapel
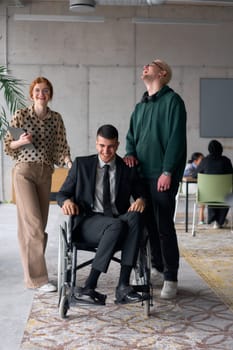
pixel 118 174
pixel 93 169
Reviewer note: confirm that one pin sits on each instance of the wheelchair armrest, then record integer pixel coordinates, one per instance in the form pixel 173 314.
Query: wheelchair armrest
pixel 68 226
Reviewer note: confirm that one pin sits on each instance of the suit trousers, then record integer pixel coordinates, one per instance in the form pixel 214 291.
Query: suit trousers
pixel 32 183
pixel 110 234
pixel 161 229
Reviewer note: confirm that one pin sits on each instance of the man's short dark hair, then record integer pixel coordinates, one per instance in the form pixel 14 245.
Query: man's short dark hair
pixel 108 131
pixel 215 148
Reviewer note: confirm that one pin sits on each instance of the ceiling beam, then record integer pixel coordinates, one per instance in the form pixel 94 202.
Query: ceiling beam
pixel 54 18
pixel 164 2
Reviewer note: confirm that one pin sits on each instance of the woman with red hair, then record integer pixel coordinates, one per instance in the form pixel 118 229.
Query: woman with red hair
pixel 41 145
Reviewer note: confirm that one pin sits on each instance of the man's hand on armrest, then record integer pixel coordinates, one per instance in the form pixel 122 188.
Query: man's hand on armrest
pixel 138 205
pixel 70 208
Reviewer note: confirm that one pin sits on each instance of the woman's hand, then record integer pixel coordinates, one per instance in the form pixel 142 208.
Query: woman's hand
pixel 24 139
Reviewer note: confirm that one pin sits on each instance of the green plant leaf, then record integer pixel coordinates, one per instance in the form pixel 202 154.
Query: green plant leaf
pixel 13 95
pixel 3 123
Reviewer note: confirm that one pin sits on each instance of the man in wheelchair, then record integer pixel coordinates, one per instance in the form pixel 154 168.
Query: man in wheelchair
pixel 99 197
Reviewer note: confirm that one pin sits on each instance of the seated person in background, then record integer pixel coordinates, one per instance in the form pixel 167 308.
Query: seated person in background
pixel 189 170
pixel 191 167
pixel 117 223
pixel 215 163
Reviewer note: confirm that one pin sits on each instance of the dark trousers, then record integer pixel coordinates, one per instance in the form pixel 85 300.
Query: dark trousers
pixel 110 234
pixel 217 214
pixel 161 229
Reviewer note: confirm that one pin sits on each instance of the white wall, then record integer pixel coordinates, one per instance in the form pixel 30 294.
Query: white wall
pixel 95 67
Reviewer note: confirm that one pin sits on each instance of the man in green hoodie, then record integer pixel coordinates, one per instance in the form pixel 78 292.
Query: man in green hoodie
pixel 156 143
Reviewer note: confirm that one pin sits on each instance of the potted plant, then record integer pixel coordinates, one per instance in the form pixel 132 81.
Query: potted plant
pixel 13 95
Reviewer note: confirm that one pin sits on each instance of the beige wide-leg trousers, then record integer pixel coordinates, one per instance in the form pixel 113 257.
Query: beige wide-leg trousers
pixel 32 183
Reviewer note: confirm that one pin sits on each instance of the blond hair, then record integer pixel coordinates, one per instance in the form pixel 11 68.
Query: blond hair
pixel 165 70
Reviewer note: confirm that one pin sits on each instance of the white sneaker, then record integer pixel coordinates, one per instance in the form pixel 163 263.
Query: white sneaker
pixel 216 225
pixel 201 223
pixel 169 290
pixel 157 277
pixel 47 288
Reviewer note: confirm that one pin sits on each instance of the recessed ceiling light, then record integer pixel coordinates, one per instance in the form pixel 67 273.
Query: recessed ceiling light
pixel 155 2
pixel 82 5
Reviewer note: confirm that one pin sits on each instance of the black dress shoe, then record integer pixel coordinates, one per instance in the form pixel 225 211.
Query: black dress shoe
pixel 90 296
pixel 127 295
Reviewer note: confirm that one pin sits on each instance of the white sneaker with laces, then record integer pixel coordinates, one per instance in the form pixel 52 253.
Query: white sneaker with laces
pixel 47 288
pixel 169 290
pixel 157 277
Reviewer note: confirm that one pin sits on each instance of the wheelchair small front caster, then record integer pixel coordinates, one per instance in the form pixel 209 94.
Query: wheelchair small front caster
pixel 64 306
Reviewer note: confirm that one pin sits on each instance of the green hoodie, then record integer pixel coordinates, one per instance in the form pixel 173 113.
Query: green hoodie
pixel 157 134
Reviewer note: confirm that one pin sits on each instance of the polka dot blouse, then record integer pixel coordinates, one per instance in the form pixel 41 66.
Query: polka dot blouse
pixel 48 135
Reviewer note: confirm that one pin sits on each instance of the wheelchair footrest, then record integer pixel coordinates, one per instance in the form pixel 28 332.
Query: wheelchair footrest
pixel 89 296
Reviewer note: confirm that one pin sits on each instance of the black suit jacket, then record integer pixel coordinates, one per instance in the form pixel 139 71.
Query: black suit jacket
pixel 80 185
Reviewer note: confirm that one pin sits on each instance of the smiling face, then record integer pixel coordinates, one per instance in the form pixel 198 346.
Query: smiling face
pixel 41 94
pixel 106 148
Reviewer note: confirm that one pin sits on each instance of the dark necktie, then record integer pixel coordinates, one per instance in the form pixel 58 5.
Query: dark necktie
pixel 106 192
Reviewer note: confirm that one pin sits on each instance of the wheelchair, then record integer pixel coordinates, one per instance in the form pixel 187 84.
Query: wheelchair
pixel 68 267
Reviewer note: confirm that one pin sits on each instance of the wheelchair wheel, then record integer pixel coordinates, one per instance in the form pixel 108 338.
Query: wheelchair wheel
pixel 64 306
pixel 147 277
pixel 61 261
pixel 142 276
